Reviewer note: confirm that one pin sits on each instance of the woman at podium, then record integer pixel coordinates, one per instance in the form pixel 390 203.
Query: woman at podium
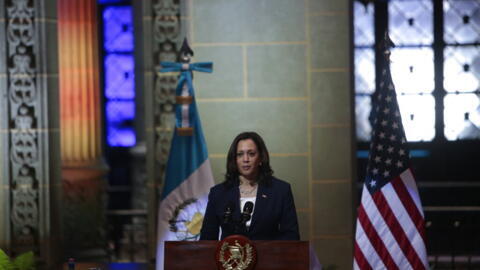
pixel 250 201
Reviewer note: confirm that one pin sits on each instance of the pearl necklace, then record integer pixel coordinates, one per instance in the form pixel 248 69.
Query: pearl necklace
pixel 248 192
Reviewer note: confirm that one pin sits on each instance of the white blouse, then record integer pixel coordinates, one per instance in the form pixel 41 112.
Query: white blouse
pixel 242 204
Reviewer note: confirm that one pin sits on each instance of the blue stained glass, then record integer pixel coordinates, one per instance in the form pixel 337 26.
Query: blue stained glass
pixel 126 266
pixel 118 29
pixel 120 137
pixel 119 77
pixel 119 116
pixel 104 2
pixel 120 110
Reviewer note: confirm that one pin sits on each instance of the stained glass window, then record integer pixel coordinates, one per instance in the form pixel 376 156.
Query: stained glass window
pixel 462 69
pixel 418 116
pixel 421 98
pixel 411 22
pixel 462 21
pixel 364 71
pixel 364 67
pixel 120 115
pixel 412 73
pixel 462 116
pixel 412 66
pixel 412 70
pixel 118 29
pixel 362 111
pixel 410 27
pixel 363 26
pixel 462 82
pixel 119 75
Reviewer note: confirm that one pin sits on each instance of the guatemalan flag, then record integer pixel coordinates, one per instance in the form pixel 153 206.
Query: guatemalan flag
pixel 189 174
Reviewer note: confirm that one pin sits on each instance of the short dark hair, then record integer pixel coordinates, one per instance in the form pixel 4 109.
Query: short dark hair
pixel 265 171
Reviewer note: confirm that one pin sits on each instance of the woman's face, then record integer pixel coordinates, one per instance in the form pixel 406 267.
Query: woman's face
pixel 248 159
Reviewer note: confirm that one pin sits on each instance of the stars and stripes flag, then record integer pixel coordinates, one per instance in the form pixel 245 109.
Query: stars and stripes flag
pixel 390 230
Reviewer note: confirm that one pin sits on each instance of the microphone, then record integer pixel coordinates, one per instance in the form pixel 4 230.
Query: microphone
pixel 227 215
pixel 247 212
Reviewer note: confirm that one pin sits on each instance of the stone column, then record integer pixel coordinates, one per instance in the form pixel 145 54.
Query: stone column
pixel 29 133
pixel 83 169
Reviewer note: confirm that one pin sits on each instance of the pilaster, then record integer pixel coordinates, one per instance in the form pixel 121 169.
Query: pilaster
pixel 157 38
pixel 83 168
pixel 29 184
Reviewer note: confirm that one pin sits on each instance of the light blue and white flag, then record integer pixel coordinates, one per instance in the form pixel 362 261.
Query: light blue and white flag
pixel 189 175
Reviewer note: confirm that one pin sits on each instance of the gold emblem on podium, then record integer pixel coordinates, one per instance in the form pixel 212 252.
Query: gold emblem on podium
pixel 235 253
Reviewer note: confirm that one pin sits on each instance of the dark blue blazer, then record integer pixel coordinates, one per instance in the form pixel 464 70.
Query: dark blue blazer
pixel 274 215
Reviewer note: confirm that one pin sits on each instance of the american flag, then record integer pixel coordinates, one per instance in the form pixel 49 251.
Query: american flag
pixel 390 231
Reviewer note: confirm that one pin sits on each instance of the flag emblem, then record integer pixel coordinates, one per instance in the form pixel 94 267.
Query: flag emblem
pixel 187 220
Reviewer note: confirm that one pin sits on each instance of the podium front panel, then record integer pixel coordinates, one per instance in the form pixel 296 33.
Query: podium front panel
pixel 187 255
pixel 278 255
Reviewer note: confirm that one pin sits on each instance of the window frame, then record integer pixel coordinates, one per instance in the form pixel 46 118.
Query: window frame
pixel 440 160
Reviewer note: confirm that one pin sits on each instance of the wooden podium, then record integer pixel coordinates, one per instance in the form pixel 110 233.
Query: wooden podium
pixel 278 255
